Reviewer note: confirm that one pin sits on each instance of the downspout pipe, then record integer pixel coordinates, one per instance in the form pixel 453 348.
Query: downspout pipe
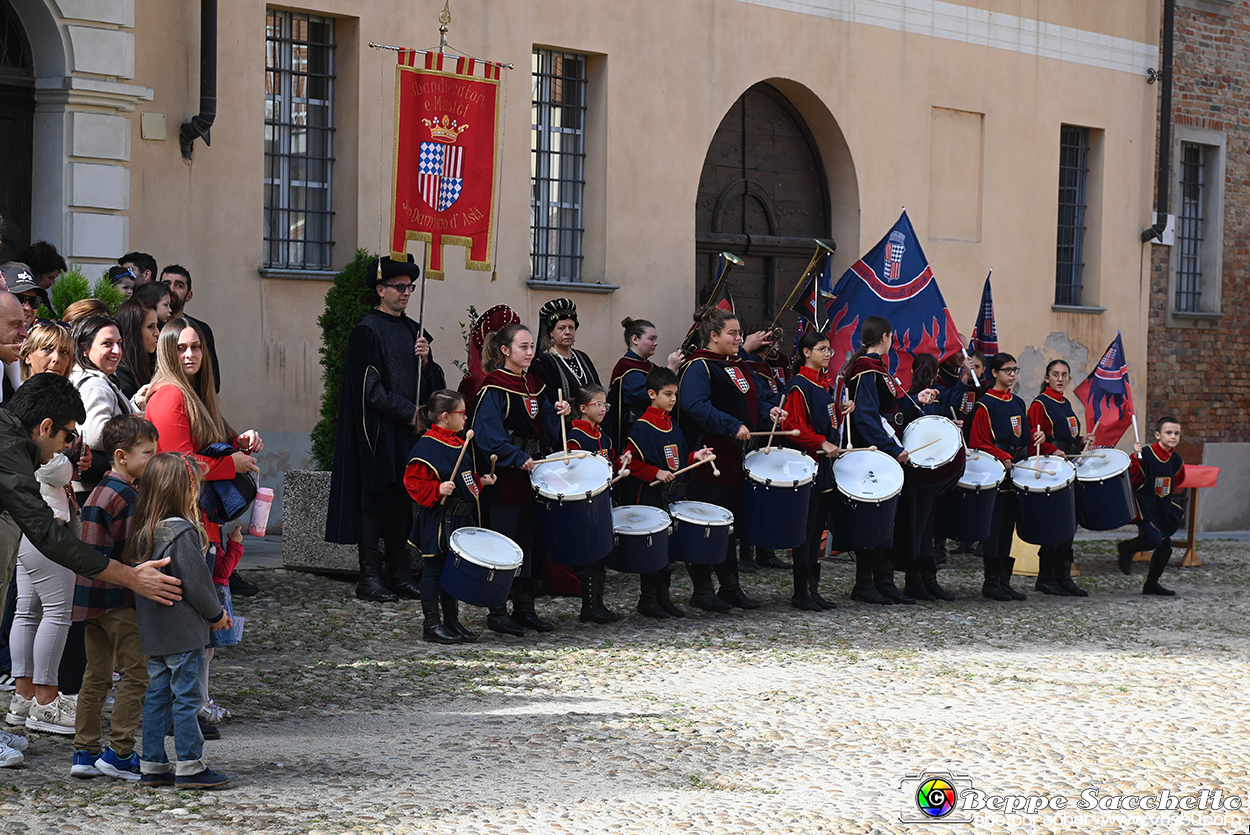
pixel 199 125
pixel 1165 124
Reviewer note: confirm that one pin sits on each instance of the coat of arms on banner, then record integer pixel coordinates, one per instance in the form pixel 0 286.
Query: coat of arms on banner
pixel 442 161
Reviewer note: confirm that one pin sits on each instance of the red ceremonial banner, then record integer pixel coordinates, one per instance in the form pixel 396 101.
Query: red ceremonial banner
pixel 446 155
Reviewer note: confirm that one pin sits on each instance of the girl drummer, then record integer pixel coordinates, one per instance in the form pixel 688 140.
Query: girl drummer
pixel 511 420
pixel 1052 414
pixel 1000 427
pixel 627 393
pixel 722 401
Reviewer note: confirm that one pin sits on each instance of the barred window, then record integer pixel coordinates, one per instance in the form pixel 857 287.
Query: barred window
pixel 1189 229
pixel 299 140
pixel 557 165
pixel 1073 178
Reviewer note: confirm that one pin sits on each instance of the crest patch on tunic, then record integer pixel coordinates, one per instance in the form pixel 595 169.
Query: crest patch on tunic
pixel 1163 486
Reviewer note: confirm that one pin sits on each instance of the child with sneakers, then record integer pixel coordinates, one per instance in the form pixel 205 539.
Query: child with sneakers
pixel 108 611
pixel 1155 471
pixel 167 524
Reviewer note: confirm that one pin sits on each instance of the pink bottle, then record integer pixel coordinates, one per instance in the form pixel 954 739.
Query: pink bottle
pixel 260 511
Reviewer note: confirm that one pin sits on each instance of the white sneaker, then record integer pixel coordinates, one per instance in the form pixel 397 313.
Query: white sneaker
pixel 213 713
pixel 13 741
pixel 19 709
pixel 57 717
pixel 10 756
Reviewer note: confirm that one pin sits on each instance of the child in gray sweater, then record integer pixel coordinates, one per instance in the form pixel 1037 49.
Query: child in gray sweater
pixel 167 524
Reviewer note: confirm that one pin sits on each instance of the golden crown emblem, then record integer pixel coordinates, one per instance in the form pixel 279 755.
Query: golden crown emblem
pixel 445 130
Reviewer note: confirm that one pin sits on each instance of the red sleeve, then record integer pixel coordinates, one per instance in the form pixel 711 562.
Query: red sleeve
pixel 227 563
pixel 982 437
pixel 797 417
pixel 168 412
pixel 422 484
pixel 1179 478
pixel 639 468
pixel 1039 419
pixel 1135 473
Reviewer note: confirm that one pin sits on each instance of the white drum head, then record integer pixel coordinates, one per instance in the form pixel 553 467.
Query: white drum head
pixel 780 467
pixel 486 548
pixel 700 513
pixel 1055 473
pixel 576 478
pixel 1113 463
pixel 868 475
pixel 940 438
pixel 982 471
pixel 637 519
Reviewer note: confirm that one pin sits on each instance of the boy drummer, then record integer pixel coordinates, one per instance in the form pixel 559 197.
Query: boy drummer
pixel 1155 471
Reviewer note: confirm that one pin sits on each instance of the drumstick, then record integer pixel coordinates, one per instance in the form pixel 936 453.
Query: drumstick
pixel 468 436
pixel 564 432
pixel 493 459
pixel 922 446
pixel 962 439
pixel 711 459
pixel 1039 455
pixel 769 447
pixel 788 432
pixel 1092 433
pixel 620 476
pixel 1088 455
pixel 1030 469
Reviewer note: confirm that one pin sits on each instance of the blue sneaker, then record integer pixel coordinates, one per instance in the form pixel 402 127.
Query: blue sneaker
pixel 152 781
pixel 206 779
pixel 115 765
pixel 84 765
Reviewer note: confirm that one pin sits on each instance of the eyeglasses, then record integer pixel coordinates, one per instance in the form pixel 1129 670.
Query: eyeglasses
pixel 402 289
pixel 459 412
pixel 50 322
pixel 1012 370
pixel 71 435
pixel 1060 375
pixel 29 301
pixel 604 406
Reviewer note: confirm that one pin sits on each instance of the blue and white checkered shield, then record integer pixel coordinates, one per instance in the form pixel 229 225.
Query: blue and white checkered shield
pixel 438 174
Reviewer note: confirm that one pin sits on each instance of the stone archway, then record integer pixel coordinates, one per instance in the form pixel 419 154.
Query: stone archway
pixel 17 111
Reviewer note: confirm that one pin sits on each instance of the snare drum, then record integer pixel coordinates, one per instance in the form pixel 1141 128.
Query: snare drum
pixel 776 495
pixel 480 567
pixel 641 539
pixel 700 532
pixel 1104 491
pixel 939 458
pixel 1046 502
pixel 868 484
pixel 574 508
pixel 966 513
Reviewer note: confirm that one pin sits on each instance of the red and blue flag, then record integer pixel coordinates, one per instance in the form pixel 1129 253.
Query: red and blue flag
pixel 1108 397
pixel 985 332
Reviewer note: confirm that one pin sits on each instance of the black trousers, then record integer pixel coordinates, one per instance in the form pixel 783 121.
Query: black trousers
pixel 518 522
pixel 809 552
pixel 997 546
pixel 391 526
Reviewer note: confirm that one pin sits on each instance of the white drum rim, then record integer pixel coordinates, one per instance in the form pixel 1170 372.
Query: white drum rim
pixel 772 482
pixel 578 496
pixel 661 525
pixel 472 531
pixel 674 510
pixel 977 488
pixel 1092 479
pixel 876 500
pixel 940 464
pixel 1030 484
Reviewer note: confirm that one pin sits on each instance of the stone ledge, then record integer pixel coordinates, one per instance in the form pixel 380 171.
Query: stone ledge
pixel 306 495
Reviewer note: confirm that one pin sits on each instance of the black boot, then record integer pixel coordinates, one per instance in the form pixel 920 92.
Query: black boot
pixel 664 582
pixel 992 587
pixel 1063 578
pixel 370 587
pixel 863 590
pixel 770 559
pixel 939 551
pixel 931 585
pixel 1124 553
pixel 704 596
pixel 648 606
pixel 1004 579
pixel 451 618
pixel 399 577
pixel 523 607
pixel 1046 573
pixel 498 620
pixel 433 629
pixel 593 610
pixel 883 577
pixel 813 587
pixel 915 587
pixel 803 591
pixel 730 589
pixel 1158 561
pixel 746 558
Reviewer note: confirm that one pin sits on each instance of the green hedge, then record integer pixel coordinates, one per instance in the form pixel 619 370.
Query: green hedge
pixel 73 286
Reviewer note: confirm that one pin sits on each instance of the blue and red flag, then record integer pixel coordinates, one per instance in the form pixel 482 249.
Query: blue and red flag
pixel 985 332
pixel 1108 397
pixel 893 280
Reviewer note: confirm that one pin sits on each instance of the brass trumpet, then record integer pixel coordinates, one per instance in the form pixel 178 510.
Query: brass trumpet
pixel 726 262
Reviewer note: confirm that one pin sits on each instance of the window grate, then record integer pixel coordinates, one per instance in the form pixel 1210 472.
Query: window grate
pixel 1073 176
pixel 557 165
pixel 299 140
pixel 14 51
pixel 1189 230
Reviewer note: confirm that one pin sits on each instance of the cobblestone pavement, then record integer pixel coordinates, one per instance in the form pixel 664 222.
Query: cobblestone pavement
pixel 771 721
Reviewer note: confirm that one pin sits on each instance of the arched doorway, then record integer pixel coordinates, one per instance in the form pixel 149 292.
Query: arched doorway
pixel 17 110
pixel 763 195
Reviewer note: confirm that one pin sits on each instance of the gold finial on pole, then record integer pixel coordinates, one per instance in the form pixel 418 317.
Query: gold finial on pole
pixel 444 23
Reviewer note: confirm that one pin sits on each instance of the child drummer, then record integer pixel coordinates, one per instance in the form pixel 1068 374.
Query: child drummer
pixel 1155 471
pixel 656 450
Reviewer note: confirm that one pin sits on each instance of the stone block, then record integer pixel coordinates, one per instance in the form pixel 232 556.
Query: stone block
pixel 96 236
pixel 1226 507
pixel 118 12
pixel 96 186
pixel 100 136
pixel 306 495
pixel 109 52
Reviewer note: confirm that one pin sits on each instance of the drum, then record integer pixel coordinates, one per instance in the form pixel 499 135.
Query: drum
pixel 1104 491
pixel 938 461
pixel 700 532
pixel 480 567
pixel 1046 502
pixel 641 539
pixel 868 484
pixel 966 513
pixel 777 492
pixel 574 508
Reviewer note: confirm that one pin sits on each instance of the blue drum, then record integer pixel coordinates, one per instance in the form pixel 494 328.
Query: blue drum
pixel 1104 491
pixel 574 507
pixel 700 532
pixel 777 493
pixel 480 567
pixel 1045 499
pixel 641 539
pixel 868 483
pixel 966 511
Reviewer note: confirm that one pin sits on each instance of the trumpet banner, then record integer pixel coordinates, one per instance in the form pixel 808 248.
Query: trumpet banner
pixel 446 157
